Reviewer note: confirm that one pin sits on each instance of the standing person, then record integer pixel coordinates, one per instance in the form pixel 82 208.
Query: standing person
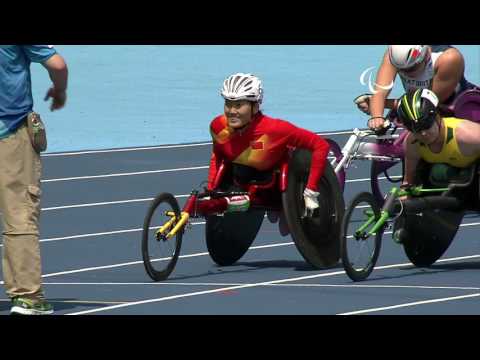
pixel 22 137
pixel 439 68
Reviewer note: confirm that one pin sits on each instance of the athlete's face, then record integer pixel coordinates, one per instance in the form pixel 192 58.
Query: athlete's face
pixel 239 113
pixel 428 136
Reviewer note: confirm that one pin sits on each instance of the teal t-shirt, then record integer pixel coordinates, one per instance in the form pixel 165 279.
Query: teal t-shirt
pixel 15 82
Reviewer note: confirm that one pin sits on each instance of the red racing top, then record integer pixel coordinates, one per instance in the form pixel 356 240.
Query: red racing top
pixel 263 144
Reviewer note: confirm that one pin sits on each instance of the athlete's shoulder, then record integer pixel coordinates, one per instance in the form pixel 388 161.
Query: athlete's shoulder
pixel 467 131
pixel 218 124
pixel 453 120
pixel 280 123
pixel 450 57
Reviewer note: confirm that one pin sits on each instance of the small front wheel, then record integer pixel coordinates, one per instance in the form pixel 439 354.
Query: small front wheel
pixel 160 254
pixel 360 250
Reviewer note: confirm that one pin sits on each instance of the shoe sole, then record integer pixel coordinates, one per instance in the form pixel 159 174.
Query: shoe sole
pixel 22 311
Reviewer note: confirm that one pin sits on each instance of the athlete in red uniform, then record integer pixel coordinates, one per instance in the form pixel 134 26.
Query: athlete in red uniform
pixel 243 135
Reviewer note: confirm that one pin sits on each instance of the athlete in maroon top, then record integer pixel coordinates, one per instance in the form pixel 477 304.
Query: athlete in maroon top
pixel 262 144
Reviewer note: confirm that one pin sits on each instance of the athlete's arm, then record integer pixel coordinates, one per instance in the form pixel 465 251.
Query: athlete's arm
pixel 385 77
pixel 215 161
pixel 412 159
pixel 304 139
pixel 468 138
pixel 448 73
pixel 216 157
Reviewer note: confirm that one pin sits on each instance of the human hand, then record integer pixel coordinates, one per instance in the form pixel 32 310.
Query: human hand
pixel 379 124
pixel 311 201
pixel 59 98
pixel 363 103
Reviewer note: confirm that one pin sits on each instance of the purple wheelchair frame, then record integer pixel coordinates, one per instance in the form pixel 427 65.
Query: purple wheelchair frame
pixel 390 149
pixel 384 153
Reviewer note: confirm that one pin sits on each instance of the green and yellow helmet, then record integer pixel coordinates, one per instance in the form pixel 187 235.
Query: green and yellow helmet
pixel 417 109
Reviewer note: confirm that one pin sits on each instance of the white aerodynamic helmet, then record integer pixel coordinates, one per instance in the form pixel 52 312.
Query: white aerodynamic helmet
pixel 243 87
pixel 407 56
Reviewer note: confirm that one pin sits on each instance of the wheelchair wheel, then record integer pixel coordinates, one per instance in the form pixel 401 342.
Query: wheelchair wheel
pixel 336 152
pixel 360 254
pixel 160 254
pixel 379 168
pixel 428 236
pixel 316 238
pixel 229 236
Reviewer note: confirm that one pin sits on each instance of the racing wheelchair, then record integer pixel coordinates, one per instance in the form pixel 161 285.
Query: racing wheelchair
pixel 230 234
pixel 385 150
pixel 425 222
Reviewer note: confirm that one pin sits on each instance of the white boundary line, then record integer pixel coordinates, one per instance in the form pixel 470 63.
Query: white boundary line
pixel 251 248
pixel 368 179
pixel 410 304
pixel 138 262
pixel 140 229
pixel 104 203
pixel 116 232
pixel 73 153
pixel 124 174
pixel 243 286
pixel 118 202
pixel 147 172
pixel 162 284
pixel 100 234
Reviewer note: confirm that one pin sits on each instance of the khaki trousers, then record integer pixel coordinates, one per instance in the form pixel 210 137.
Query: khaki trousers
pixel 20 173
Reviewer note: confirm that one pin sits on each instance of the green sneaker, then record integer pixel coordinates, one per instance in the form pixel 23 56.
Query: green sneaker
pixel 24 306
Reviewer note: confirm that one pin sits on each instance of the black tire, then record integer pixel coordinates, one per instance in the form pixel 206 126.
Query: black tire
pixel 352 220
pixel 159 270
pixel 428 236
pixel 316 238
pixel 229 236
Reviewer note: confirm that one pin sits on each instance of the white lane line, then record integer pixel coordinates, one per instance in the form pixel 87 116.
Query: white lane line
pixel 100 234
pixel 73 153
pixel 115 232
pixel 148 172
pixel 452 298
pixel 251 248
pixel 368 179
pixel 118 202
pixel 124 174
pixel 243 286
pixel 77 301
pixel 97 204
pixel 156 300
pixel 268 246
pixel 269 285
pixel 104 233
pixel 139 229
pixel 125 149
pixel 105 203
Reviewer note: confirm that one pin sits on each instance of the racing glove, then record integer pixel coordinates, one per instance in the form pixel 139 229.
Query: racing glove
pixel 238 203
pixel 311 201
pixel 363 103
